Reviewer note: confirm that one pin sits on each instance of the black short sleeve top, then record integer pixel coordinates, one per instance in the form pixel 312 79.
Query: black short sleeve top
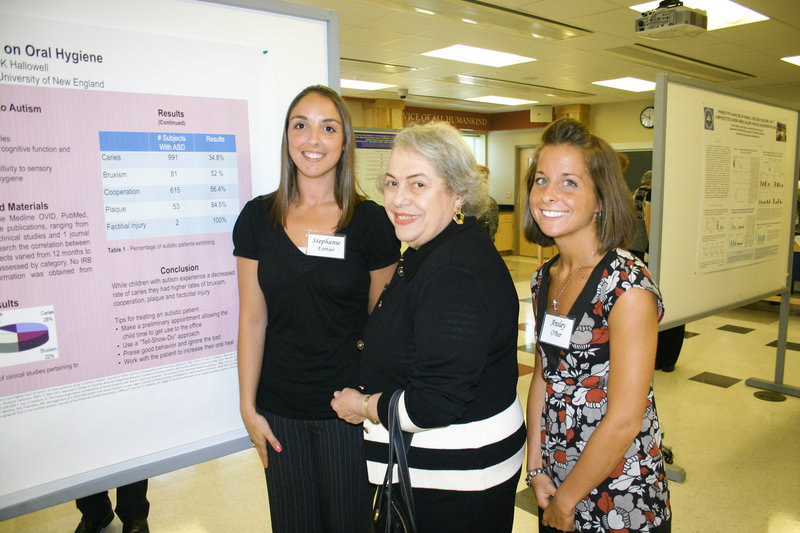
pixel 316 306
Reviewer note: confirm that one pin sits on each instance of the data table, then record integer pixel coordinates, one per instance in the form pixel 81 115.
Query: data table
pixel 168 184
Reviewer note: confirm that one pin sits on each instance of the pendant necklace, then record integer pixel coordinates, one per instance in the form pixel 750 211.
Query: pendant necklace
pixel 555 300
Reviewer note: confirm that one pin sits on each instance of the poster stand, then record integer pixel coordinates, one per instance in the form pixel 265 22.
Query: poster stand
pixel 777 385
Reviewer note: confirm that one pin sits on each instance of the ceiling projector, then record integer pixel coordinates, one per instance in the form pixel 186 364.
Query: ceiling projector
pixel 671 19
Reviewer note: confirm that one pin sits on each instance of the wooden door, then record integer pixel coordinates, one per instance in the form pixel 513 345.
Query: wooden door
pixel 523 246
pixel 524 160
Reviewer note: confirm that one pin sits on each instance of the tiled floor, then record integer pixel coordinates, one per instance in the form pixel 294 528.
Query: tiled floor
pixel 739 452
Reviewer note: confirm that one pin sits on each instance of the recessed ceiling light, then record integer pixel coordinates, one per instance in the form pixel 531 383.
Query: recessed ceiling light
pixel 795 60
pixel 478 56
pixel 424 11
pixel 721 13
pixel 628 84
pixel 364 85
pixel 468 21
pixel 502 100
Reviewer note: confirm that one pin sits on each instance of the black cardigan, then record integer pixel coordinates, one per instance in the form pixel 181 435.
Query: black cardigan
pixel 445 330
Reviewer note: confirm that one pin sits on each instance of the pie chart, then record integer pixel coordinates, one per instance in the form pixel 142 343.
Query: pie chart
pixel 24 336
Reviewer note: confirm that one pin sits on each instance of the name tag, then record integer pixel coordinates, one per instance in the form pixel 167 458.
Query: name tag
pixel 324 245
pixel 557 330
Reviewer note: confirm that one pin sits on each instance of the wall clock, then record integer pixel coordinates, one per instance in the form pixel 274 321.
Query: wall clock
pixel 647 117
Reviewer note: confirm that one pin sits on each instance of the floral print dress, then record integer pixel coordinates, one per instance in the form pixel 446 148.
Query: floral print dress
pixel 635 496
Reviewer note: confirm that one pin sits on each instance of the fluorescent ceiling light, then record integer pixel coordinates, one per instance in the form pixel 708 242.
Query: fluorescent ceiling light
pixel 364 85
pixel 424 11
pixel 502 100
pixel 795 60
pixel 478 56
pixel 721 13
pixel 468 21
pixel 628 84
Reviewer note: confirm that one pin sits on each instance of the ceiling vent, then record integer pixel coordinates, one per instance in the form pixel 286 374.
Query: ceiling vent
pixel 499 17
pixel 527 89
pixel 676 63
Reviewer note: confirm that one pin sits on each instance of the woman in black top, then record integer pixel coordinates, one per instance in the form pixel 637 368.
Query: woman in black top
pixel 312 258
pixel 445 332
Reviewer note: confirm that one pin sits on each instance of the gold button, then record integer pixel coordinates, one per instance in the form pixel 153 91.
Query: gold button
pixel 380 303
pixel 360 345
pixel 400 271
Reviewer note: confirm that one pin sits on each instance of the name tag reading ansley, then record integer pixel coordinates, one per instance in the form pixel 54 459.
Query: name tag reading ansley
pixel 557 330
pixel 325 245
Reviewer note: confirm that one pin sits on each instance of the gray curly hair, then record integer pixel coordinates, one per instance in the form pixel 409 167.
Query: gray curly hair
pixel 446 150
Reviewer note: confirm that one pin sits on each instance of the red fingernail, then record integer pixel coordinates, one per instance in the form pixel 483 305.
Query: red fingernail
pixel 278 448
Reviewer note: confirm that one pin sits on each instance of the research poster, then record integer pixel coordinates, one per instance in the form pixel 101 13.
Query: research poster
pixel 744 187
pixel 126 153
pixel 372 160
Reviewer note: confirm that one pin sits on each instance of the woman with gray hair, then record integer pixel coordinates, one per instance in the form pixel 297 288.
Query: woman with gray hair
pixel 444 331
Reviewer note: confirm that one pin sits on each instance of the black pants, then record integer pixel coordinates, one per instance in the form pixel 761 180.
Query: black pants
pixel 132 503
pixel 318 483
pixel 670 342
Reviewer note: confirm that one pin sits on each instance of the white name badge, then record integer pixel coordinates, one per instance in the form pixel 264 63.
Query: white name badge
pixel 325 245
pixel 557 330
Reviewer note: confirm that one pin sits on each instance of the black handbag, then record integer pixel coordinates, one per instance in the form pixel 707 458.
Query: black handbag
pixel 393 511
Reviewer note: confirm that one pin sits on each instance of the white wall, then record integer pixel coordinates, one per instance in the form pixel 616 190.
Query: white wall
pixel 501 160
pixel 618 124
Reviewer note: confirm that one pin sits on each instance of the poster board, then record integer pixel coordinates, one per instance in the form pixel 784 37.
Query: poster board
pixel 724 189
pixel 373 147
pixel 132 133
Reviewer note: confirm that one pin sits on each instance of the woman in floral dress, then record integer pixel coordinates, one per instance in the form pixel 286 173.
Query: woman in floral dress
pixel 594 441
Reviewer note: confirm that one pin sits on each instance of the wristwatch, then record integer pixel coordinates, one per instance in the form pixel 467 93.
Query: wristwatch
pixel 532 473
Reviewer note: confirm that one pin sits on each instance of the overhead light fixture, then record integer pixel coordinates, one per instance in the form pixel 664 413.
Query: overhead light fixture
pixel 794 60
pixel 469 21
pixel 502 100
pixel 628 84
pixel 364 85
pixel 721 13
pixel 478 56
pixel 424 11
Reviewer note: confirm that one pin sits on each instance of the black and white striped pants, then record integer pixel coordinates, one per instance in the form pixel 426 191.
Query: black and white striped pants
pixel 318 483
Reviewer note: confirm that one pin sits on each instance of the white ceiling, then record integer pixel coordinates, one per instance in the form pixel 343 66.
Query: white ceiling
pixel 373 32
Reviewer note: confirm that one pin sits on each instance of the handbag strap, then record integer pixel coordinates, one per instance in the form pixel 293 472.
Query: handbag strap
pixel 398 446
pixel 402 443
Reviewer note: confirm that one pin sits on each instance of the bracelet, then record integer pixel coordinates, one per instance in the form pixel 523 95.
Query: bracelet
pixel 532 473
pixel 366 410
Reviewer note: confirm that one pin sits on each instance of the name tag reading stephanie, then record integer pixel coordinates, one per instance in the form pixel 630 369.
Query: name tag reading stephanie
pixel 557 330
pixel 325 245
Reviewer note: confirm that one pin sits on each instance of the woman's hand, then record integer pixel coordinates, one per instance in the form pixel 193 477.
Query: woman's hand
pixel 544 489
pixel 558 514
pixel 349 405
pixel 260 434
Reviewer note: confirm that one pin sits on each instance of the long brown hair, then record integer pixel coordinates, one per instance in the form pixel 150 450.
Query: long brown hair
pixel 615 222
pixel 345 188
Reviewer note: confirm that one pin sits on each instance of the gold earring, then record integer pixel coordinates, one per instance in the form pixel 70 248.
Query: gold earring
pixel 458 216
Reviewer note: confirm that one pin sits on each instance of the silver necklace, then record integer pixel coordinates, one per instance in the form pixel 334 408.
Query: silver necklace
pixel 555 300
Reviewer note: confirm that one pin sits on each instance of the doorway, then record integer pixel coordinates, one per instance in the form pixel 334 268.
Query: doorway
pixel 522 246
